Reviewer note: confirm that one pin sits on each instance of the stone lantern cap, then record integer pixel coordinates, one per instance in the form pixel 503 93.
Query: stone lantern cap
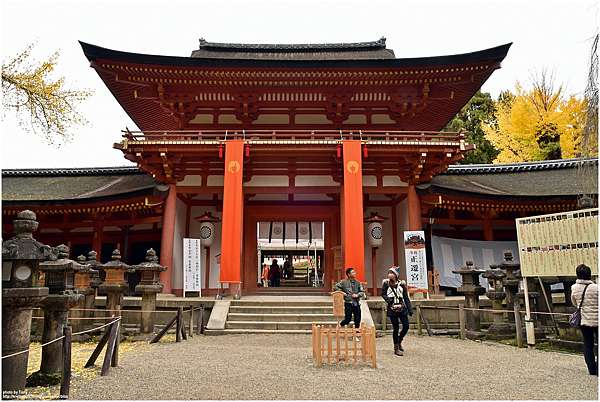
pixel 469 268
pixel 470 278
pixel 150 263
pixel 149 270
pixel 494 273
pixel 92 261
pixel 62 262
pixel 23 246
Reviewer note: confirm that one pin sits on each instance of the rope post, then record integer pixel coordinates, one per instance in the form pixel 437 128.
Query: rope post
pixel 200 323
pixel 383 317
pixel 462 318
pixel 419 329
pixel 518 327
pixel 178 325
pixel 65 383
pixel 191 329
pixel 115 357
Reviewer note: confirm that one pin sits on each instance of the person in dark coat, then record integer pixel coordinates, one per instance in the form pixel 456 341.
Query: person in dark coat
pixel 275 274
pixel 395 294
pixel 288 269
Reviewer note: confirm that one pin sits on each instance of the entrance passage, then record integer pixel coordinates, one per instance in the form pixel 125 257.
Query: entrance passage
pixel 290 254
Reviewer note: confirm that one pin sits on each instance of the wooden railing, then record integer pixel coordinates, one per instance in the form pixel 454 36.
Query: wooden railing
pixel 348 345
pixel 254 135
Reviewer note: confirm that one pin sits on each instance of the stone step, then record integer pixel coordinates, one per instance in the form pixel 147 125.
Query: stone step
pixel 281 309
pixel 258 331
pixel 281 303
pixel 274 325
pixel 289 293
pixel 280 317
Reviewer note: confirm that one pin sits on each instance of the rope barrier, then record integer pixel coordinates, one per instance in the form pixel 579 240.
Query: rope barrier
pixel 97 328
pixel 39 347
pixel 492 311
pixel 79 318
pixel 58 339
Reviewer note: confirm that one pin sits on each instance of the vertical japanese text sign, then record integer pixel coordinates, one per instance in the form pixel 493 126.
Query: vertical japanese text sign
pixel 192 272
pixel 416 263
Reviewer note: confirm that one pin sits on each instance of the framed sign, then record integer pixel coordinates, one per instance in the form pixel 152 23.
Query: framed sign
pixel 416 262
pixel 192 270
pixel 555 244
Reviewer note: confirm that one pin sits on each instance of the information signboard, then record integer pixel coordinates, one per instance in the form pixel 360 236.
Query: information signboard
pixel 555 244
pixel 416 262
pixel 192 272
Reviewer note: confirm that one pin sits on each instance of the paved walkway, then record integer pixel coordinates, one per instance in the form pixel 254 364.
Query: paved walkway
pixel 280 367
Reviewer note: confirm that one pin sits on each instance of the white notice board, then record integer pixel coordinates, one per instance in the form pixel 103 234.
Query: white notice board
pixel 416 261
pixel 192 269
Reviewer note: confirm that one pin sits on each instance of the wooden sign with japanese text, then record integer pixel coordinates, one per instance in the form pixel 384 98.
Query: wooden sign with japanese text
pixel 192 272
pixel 416 261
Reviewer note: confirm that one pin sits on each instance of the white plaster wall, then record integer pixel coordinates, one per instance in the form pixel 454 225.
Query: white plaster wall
pixel 215 248
pixel 191 180
pixel 385 253
pixel 177 269
pixel 306 180
pixel 268 181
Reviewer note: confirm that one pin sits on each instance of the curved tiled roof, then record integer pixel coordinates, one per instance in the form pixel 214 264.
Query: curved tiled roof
pixel 527 179
pixel 91 171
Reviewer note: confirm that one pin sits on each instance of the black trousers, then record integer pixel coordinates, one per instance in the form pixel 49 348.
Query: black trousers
pixel 396 319
pixel 349 311
pixel 589 333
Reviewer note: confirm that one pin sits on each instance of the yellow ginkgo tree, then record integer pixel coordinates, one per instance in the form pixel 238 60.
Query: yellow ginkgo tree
pixel 42 102
pixel 539 123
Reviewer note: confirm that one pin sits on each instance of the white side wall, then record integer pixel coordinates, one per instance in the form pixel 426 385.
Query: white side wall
pixel 177 272
pixel 215 248
pixel 385 253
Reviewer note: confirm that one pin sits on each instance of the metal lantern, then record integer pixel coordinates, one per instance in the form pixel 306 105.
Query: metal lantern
pixel 22 254
pixel 375 229
pixel 207 228
pixel 60 273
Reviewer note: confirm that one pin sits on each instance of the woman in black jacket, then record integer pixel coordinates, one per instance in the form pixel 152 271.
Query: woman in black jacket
pixel 395 294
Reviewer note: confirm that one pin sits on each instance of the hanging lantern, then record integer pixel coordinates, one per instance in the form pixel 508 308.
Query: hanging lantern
pixel 375 229
pixel 207 228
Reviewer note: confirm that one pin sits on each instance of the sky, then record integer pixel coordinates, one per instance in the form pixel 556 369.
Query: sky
pixel 550 34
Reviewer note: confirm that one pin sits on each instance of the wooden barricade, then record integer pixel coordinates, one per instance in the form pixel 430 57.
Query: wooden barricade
pixel 336 344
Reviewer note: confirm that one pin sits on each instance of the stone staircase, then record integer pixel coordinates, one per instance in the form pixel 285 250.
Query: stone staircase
pixel 290 291
pixel 277 316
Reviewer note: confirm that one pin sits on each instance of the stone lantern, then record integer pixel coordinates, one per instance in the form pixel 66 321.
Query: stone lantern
pixel 21 256
pixel 83 286
pixel 471 289
pixel 114 283
pixel 60 280
pixel 92 261
pixel 499 328
pixel 149 286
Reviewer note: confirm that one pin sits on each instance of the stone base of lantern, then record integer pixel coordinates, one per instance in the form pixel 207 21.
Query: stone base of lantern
pixel 17 306
pixel 56 310
pixel 148 307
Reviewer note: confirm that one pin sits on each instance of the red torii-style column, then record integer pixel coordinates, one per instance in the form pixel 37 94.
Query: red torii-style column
pixel 231 221
pixel 352 209
pixel 167 237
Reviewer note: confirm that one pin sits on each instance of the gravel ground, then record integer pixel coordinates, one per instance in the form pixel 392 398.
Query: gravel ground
pixel 280 367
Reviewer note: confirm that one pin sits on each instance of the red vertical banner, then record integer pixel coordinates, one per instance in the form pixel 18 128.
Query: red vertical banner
pixel 353 231
pixel 233 204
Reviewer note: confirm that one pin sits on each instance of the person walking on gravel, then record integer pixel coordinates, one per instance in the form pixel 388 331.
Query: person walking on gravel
pixel 584 288
pixel 395 294
pixel 353 293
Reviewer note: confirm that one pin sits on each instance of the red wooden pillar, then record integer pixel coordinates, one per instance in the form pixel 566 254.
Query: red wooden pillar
pixel 414 209
pixel 167 237
pixel 352 221
pixel 488 230
pixel 98 236
pixel 231 224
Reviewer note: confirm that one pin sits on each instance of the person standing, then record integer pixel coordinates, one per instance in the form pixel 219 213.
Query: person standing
pixel 395 294
pixel 265 276
pixel 353 293
pixel 288 269
pixel 584 293
pixel 275 273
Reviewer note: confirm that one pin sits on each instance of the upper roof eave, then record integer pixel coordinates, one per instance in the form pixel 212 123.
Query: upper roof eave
pixel 495 54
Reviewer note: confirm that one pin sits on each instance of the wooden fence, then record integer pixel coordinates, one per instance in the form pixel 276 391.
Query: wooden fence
pixel 349 345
